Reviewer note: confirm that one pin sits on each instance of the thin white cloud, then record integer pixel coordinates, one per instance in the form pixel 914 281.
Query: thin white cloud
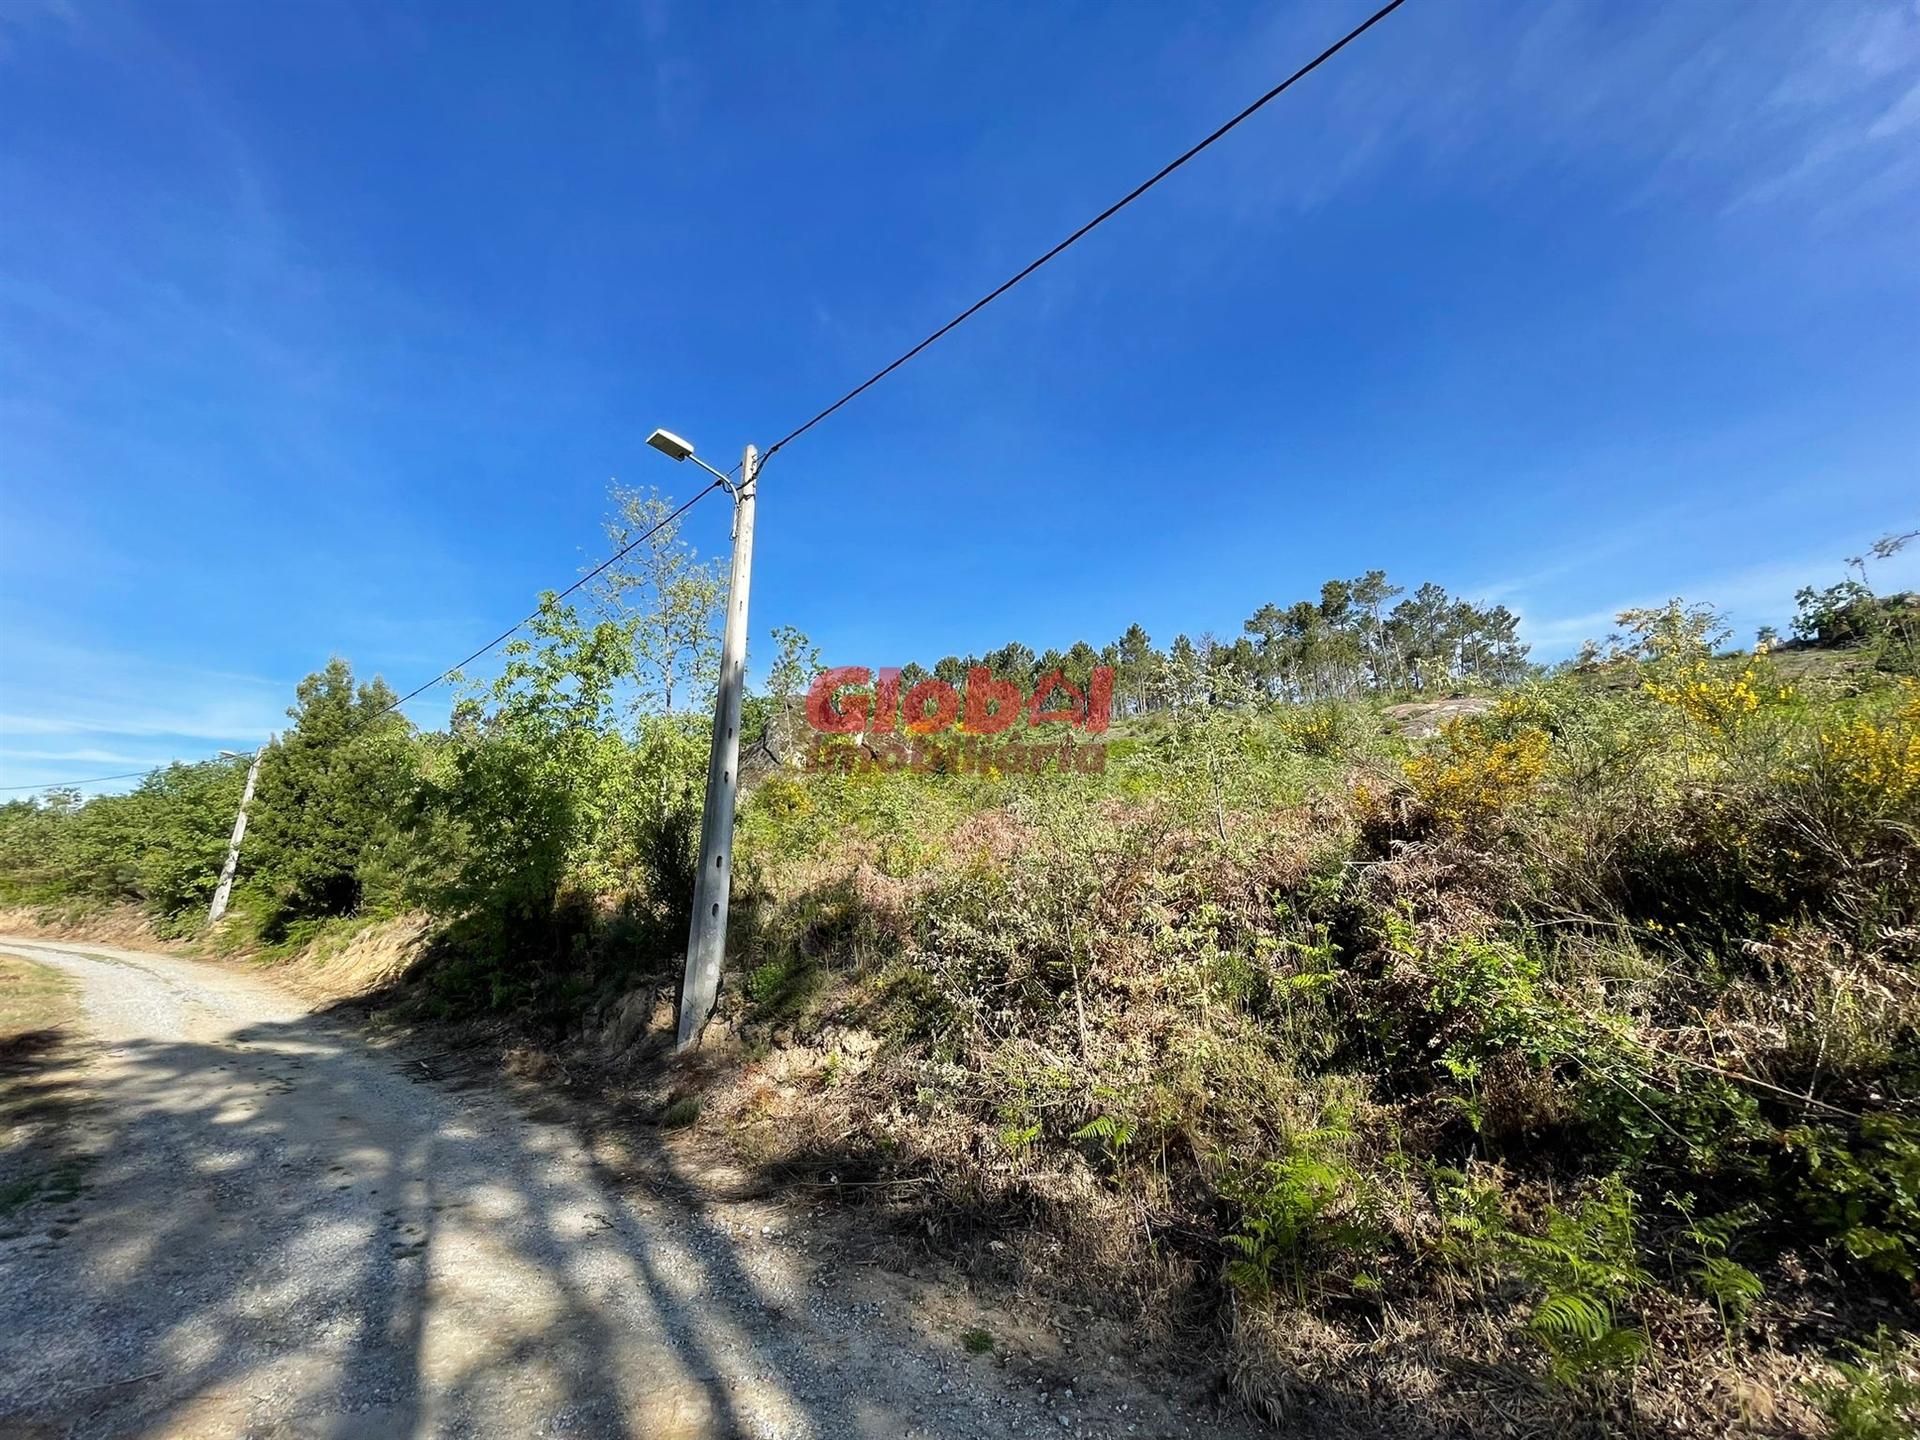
pixel 213 723
pixel 1720 105
pixel 1900 116
pixel 1551 639
pixel 86 709
pixel 85 757
pixel 1750 596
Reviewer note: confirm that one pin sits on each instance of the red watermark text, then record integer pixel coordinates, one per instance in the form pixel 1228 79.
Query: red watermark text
pixel 889 730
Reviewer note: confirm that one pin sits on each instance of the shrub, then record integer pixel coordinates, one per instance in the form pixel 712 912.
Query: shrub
pixel 1711 699
pixel 1862 1186
pixel 1468 779
pixel 1874 761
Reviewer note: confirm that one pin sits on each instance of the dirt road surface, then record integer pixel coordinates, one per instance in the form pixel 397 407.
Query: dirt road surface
pixel 268 1226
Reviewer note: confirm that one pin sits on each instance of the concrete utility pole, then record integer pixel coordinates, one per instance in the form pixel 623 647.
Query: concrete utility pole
pixel 225 887
pixel 707 937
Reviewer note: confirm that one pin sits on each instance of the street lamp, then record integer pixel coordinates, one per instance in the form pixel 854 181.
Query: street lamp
pixel 674 448
pixel 707 935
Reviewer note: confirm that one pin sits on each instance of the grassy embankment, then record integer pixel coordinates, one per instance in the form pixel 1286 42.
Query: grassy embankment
pixel 1557 1071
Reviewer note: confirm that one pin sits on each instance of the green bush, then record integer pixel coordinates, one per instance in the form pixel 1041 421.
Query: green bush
pixel 1862 1186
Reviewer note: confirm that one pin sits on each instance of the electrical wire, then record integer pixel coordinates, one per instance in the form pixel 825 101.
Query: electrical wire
pixel 452 669
pixel 597 570
pixel 90 780
pixel 1105 215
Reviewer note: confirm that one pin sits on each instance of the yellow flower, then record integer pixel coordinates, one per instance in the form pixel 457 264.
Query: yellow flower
pixel 1468 778
pixel 1709 701
pixel 1877 763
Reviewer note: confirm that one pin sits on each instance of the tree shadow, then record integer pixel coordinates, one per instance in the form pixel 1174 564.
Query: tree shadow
pixel 285 1231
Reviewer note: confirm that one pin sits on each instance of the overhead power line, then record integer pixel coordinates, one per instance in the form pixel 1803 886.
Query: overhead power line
pixel 1105 215
pixel 452 669
pixel 985 300
pixel 597 570
pixel 91 780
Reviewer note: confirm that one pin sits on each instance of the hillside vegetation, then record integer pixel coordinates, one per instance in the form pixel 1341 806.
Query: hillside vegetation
pixel 1555 1072
pixel 1563 1063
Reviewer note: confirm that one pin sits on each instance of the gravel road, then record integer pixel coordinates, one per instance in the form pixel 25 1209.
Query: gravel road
pixel 275 1227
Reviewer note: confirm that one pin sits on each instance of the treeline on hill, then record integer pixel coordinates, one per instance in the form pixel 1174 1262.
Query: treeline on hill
pixel 1341 646
pixel 1556 1071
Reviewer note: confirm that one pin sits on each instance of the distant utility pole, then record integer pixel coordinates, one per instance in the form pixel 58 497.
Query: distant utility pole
pixel 225 888
pixel 707 935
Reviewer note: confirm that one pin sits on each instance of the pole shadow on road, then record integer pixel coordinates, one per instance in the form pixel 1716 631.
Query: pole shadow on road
pixel 281 1233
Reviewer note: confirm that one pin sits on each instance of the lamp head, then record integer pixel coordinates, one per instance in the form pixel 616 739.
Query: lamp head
pixel 670 444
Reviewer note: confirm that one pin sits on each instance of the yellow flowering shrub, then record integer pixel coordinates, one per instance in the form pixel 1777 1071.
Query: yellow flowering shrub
pixel 1524 707
pixel 1716 702
pixel 1878 760
pixel 1319 729
pixel 1316 732
pixel 1468 778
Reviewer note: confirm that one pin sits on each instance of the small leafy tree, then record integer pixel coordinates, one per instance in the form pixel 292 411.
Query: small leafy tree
pixel 513 798
pixel 796 661
pixel 330 795
pixel 666 598
pixel 1842 614
pixel 31 836
pixel 1675 633
pixel 539 818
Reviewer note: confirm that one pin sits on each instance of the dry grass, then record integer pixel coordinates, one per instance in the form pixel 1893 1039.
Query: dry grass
pixel 33 998
pixel 119 924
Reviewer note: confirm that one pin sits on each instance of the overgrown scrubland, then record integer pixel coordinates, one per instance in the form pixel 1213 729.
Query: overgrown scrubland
pixel 1555 1072
pixel 1558 1070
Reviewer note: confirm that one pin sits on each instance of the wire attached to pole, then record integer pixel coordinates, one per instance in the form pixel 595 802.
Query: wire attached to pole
pixel 445 674
pixel 597 570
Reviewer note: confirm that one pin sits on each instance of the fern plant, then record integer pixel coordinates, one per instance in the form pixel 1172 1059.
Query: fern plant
pixel 1297 1211
pixel 1731 1286
pixel 1876 1396
pixel 1587 1263
pixel 1474 1221
pixel 1112 1133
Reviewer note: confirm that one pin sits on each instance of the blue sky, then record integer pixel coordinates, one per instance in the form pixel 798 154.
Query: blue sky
pixel 324 327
